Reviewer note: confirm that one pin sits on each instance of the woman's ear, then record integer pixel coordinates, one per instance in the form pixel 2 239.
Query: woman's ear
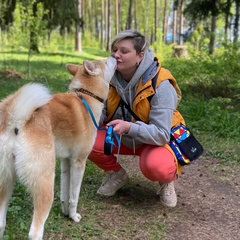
pixel 141 55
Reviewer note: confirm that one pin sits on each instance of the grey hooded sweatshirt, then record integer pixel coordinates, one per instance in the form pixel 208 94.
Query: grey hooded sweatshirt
pixel 163 103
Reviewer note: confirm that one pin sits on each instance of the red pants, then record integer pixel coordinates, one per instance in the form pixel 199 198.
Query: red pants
pixel 156 163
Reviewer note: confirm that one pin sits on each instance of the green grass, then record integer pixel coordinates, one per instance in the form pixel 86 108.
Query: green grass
pixel 210 106
pixel 48 68
pixel 124 216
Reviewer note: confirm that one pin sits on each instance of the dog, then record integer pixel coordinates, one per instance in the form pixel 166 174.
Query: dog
pixel 37 127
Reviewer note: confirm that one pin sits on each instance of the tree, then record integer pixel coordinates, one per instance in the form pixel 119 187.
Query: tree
pixel 201 10
pixel 109 24
pixel 33 30
pixel 102 24
pixel 236 22
pixel 226 10
pixel 94 19
pixel 78 26
pixel 165 21
pixel 129 20
pixel 117 16
pixel 181 21
pixel 6 12
pixel 174 32
pixel 155 20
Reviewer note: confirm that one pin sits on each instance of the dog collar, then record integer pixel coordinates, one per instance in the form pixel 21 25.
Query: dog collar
pixel 90 94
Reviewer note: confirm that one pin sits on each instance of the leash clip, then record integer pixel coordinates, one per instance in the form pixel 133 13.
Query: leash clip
pixel 109 142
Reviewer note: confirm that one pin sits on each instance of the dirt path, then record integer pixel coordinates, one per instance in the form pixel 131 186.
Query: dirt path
pixel 208 202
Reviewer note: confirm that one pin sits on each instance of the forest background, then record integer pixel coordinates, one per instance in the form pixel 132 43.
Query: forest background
pixel 198 41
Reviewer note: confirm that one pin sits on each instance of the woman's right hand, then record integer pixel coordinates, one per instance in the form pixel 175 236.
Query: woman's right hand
pixel 120 126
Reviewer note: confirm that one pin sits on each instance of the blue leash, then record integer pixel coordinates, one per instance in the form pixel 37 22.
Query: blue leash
pixel 108 139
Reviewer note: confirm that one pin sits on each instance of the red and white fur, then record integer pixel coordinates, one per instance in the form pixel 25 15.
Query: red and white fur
pixel 36 127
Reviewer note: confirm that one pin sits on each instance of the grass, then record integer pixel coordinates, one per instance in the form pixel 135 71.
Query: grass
pixel 125 216
pixel 210 107
pixel 48 68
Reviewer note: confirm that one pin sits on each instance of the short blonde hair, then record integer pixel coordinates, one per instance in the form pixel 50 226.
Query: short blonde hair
pixel 140 43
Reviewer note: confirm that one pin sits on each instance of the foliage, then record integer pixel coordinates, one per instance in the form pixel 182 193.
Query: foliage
pixel 24 23
pixel 146 16
pixel 161 50
pixel 210 88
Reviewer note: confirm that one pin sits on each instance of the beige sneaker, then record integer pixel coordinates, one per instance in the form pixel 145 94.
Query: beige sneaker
pixel 112 182
pixel 168 196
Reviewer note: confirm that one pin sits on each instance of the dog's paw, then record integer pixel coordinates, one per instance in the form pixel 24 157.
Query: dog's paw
pixel 76 217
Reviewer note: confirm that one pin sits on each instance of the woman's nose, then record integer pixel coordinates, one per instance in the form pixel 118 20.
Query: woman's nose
pixel 115 54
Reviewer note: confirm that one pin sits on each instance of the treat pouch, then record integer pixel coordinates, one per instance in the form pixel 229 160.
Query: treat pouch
pixel 184 144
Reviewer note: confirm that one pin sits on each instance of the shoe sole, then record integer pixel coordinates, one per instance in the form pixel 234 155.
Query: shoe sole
pixel 114 192
pixel 167 204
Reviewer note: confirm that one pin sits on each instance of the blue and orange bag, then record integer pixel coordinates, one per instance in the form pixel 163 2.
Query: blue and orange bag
pixel 184 145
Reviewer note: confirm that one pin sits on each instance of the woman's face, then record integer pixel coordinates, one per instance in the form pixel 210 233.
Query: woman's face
pixel 126 56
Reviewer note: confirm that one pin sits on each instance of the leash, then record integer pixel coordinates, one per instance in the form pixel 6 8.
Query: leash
pixel 110 132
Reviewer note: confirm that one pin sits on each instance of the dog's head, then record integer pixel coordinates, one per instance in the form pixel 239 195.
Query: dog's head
pixel 93 76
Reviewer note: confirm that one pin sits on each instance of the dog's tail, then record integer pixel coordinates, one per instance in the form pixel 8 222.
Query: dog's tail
pixel 28 99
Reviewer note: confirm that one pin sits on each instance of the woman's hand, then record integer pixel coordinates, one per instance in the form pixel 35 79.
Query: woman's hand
pixel 120 126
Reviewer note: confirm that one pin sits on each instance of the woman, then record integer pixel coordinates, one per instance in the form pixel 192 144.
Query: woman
pixel 144 125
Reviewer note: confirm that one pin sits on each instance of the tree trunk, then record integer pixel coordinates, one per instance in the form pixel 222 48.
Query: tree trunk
pixel 102 24
pixel 236 23
pixel 213 35
pixel 96 16
pixel 155 21
pixel 78 26
pixel 181 19
pixel 90 16
pixel 174 28
pixel 180 51
pixel 227 27
pixel 109 24
pixel 135 13
pixel 129 21
pixel 117 16
pixel 165 22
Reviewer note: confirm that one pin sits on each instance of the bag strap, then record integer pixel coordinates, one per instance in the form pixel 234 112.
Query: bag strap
pixel 154 82
pixel 122 102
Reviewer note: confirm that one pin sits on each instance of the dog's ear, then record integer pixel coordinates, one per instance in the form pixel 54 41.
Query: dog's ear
pixel 72 68
pixel 91 68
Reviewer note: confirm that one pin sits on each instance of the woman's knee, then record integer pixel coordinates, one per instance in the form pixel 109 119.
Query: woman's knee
pixel 158 164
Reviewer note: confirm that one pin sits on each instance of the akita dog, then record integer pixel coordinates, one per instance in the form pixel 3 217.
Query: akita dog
pixel 36 127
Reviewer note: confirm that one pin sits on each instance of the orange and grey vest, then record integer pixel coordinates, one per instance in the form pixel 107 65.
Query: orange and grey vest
pixel 141 105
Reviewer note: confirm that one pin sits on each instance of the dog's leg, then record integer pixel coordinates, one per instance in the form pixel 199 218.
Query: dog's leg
pixel 65 182
pixel 35 167
pixel 5 195
pixel 76 177
pixel 7 180
pixel 39 179
pixel 42 198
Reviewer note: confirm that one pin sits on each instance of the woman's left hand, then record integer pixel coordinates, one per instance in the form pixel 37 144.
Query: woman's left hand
pixel 119 126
